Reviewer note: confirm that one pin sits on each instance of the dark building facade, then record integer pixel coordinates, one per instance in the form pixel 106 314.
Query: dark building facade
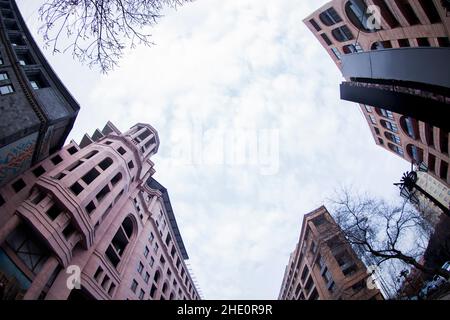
pixel 37 112
pixel 324 266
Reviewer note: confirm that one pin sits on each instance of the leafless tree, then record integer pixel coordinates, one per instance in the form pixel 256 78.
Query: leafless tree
pixel 383 231
pixel 98 31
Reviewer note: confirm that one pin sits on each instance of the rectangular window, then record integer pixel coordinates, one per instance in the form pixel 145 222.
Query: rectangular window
pixel 68 230
pixel 315 25
pixel 1 61
pixel 404 43
pixel 25 59
pixel 6 89
pixel 38 171
pixel 76 188
pixel 90 207
pixel 56 160
pixel 444 170
pixel 146 251
pixel 98 273
pixel 134 285
pixel 53 212
pixel 152 261
pixel 443 42
pixel 105 282
pixel 368 108
pixel 372 119
pixel 423 42
pixel 16 40
pixel 18 185
pixel 37 81
pixel 430 11
pixel 146 277
pixel 130 165
pixel 72 150
pixel 151 237
pixel 140 267
pixel 3 76
pixel 326 39
pixel 336 53
pixel 121 150
pixel 111 289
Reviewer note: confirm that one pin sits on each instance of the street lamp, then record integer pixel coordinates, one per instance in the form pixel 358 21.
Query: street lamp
pixel 409 188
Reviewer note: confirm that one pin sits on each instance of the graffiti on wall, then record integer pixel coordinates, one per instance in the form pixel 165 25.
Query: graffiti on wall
pixel 16 157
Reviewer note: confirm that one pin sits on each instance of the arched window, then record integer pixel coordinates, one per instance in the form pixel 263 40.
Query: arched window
pixel 392 137
pixel 411 127
pixel 106 163
pixel 415 153
pixel 396 149
pixel 356 11
pixel 157 276
pixel 330 17
pixel 165 287
pixel 172 296
pixel 342 34
pixel 120 242
pixel 391 126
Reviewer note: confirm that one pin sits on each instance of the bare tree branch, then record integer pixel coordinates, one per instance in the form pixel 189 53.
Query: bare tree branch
pixel 97 32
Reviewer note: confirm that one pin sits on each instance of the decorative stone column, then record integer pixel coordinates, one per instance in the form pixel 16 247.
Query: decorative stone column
pixel 9 226
pixel 41 279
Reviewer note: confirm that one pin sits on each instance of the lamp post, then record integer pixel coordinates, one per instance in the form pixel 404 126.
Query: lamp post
pixel 408 188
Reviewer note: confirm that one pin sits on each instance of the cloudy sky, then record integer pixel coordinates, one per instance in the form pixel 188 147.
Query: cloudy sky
pixel 228 76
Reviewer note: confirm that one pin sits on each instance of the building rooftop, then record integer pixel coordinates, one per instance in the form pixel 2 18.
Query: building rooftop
pixel 152 183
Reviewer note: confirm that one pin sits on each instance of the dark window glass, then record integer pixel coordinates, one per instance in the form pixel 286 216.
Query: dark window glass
pixel 431 11
pixel 90 207
pixel 330 17
pixel 56 160
pixel 423 42
pixel 90 176
pixel 403 43
pixel 72 150
pixel 38 171
pixel 443 42
pixel 326 39
pixel 18 185
pixel 315 25
pixel 342 34
pixel 76 188
pixel 105 164
pixel 408 12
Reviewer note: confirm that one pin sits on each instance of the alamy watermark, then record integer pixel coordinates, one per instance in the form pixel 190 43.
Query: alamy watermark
pixel 74 279
pixel 258 148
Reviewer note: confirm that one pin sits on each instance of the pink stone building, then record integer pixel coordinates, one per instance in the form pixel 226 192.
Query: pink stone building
pixel 324 265
pixel 341 27
pixel 93 209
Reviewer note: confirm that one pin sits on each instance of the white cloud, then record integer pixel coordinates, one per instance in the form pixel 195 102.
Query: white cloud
pixel 239 64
